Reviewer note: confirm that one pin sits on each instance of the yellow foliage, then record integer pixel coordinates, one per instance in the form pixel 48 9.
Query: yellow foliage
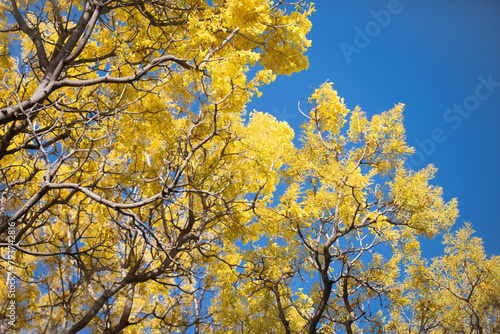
pixel 140 197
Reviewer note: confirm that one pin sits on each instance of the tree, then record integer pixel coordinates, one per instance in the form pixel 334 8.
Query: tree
pixel 125 155
pixel 138 196
pixel 458 292
pixel 348 193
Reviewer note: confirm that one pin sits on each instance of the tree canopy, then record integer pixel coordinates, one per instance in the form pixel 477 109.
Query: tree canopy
pixel 139 195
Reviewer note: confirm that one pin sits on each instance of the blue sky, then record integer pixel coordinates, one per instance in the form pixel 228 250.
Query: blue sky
pixel 442 60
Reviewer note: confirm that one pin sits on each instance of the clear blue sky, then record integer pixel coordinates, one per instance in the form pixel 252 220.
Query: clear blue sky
pixel 442 60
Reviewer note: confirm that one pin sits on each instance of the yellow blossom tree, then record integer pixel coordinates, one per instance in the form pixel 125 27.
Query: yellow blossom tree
pixel 138 195
pixel 458 292
pixel 348 193
pixel 127 169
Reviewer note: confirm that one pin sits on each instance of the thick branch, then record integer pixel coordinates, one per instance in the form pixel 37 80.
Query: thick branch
pixel 33 34
pixel 108 79
pixel 325 296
